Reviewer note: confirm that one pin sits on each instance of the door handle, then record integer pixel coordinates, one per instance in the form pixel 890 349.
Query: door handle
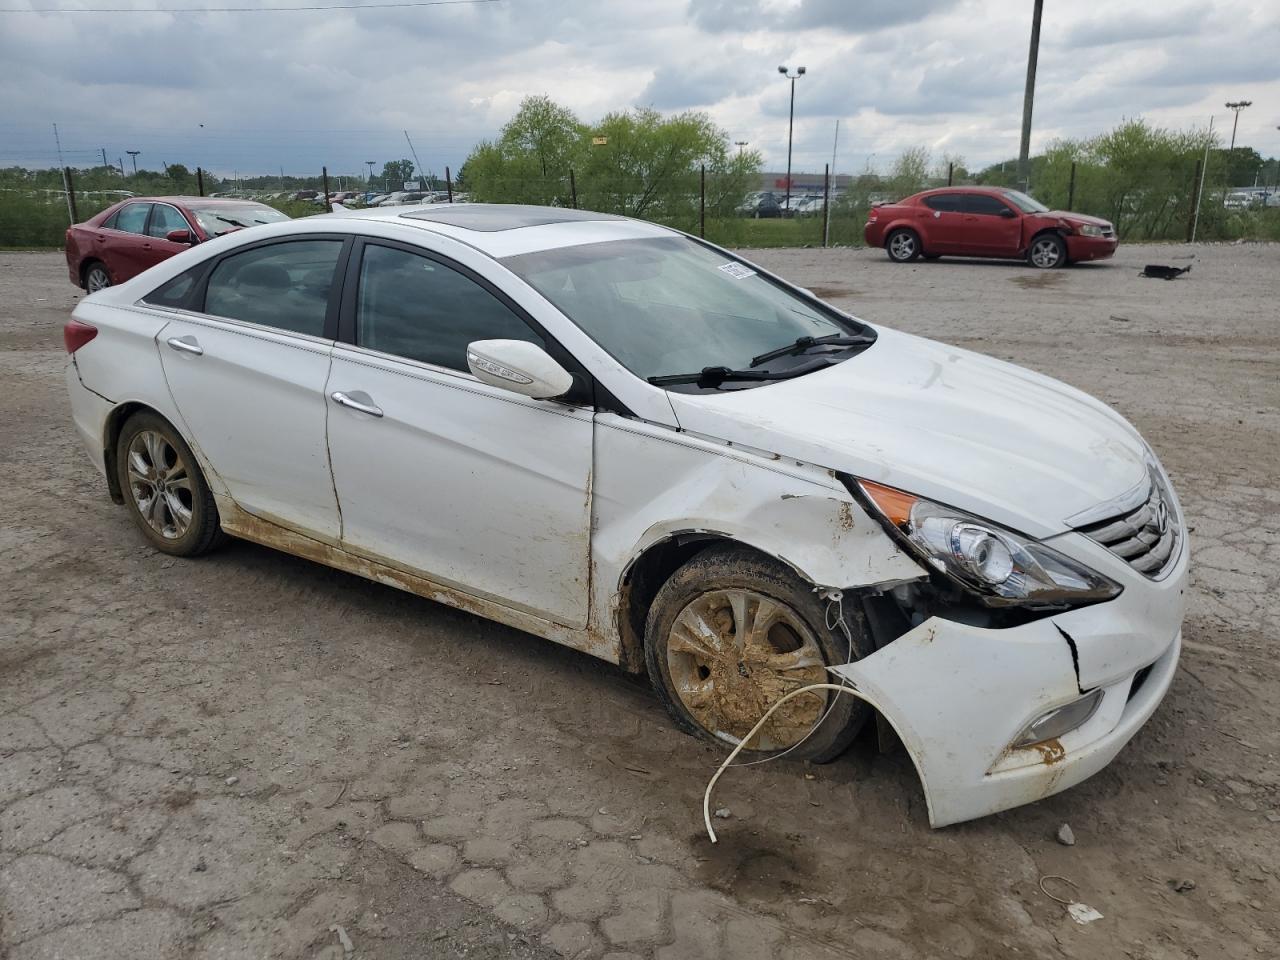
pixel 346 400
pixel 187 344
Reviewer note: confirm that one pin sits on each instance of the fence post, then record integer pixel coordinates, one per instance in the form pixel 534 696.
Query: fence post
pixel 1071 187
pixel 702 202
pixel 1194 212
pixel 70 188
pixel 573 189
pixel 324 173
pixel 826 204
pixel 448 182
pixel 951 169
pixel 200 181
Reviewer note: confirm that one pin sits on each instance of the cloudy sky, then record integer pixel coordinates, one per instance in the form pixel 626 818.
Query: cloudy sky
pixel 256 91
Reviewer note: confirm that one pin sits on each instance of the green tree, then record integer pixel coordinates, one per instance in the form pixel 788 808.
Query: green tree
pixel 396 172
pixel 910 172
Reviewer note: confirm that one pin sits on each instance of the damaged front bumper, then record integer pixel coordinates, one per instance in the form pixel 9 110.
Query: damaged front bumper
pixel 959 696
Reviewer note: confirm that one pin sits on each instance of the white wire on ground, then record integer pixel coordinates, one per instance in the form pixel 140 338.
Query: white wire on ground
pixel 706 797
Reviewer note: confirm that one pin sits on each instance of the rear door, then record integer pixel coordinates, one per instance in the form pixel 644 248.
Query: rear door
pixel 247 367
pixel 942 224
pixel 476 487
pixel 992 228
pixel 120 242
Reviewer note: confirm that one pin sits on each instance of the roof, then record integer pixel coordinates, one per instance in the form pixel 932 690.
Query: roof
pixel 488 217
pixel 191 200
pixel 965 190
pixel 508 229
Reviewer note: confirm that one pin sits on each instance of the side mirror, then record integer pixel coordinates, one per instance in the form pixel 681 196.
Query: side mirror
pixel 518 366
pixel 1007 213
pixel 180 236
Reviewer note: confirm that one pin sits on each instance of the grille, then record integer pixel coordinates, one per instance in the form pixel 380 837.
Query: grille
pixel 1146 536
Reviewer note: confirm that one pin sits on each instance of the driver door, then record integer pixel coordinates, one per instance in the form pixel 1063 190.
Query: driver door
pixel 475 487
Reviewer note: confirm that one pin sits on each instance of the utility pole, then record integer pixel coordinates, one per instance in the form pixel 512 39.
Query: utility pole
pixel 104 157
pixel 370 164
pixel 835 145
pixel 1237 106
pixel 134 155
pixel 740 144
pixel 416 162
pixel 791 123
pixel 1028 97
pixel 58 141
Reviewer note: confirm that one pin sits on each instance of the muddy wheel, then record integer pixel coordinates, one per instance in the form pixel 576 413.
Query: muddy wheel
pixel 729 634
pixel 96 278
pixel 163 488
pixel 903 246
pixel 1047 251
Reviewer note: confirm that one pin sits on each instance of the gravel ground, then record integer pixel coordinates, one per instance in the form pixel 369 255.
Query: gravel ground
pixel 231 757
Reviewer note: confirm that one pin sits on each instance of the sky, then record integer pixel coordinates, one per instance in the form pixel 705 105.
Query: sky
pixel 254 92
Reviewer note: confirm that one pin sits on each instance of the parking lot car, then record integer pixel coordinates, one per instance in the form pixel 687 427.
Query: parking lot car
pixel 637 444
pixel 986 222
pixel 125 239
pixel 759 205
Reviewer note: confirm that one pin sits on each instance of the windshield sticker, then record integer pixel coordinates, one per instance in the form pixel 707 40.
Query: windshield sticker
pixel 737 271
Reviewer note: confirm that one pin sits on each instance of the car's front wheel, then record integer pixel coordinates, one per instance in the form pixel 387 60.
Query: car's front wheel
pixel 1047 251
pixel 903 246
pixel 730 634
pixel 163 488
pixel 96 278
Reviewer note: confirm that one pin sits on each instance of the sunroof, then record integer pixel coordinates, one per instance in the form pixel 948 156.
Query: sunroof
pixel 491 217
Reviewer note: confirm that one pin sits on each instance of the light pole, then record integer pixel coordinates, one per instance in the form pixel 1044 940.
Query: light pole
pixel 134 155
pixel 371 163
pixel 740 144
pixel 1237 106
pixel 791 123
pixel 1028 97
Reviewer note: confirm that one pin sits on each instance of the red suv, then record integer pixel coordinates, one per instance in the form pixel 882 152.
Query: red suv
pixel 125 239
pixel 986 222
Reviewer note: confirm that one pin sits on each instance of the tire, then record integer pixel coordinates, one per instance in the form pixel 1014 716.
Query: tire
pixel 1047 251
pixel 717 691
pixel 96 277
pixel 163 488
pixel 903 246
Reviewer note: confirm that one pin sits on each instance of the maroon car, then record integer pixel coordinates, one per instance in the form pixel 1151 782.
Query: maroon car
pixel 986 222
pixel 123 240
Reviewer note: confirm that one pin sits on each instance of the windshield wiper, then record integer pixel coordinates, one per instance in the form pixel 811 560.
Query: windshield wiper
pixel 804 343
pixel 234 223
pixel 714 376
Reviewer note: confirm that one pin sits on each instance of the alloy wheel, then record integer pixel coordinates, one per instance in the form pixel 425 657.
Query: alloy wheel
pixel 1045 253
pixel 160 484
pixel 903 246
pixel 732 653
pixel 97 279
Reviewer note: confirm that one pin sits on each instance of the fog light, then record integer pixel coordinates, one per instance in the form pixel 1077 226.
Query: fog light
pixel 1054 723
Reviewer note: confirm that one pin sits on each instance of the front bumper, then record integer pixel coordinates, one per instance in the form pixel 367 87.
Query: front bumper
pixel 1090 248
pixel 959 695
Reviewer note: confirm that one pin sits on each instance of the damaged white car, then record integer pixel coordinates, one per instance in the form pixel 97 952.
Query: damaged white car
pixel 639 445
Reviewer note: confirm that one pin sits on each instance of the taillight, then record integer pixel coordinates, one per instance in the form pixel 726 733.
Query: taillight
pixel 77 333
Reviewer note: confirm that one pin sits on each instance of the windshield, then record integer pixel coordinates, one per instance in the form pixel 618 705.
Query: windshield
pixel 225 217
pixel 1024 203
pixel 669 305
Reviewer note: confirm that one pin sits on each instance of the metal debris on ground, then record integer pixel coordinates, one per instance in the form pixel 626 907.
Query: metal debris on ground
pixel 1158 271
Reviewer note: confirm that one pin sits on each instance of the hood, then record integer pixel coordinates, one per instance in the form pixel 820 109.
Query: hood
pixel 1076 217
pixel 999 441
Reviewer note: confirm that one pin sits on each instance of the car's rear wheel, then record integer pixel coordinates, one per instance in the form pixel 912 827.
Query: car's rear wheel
pixel 96 278
pixel 163 488
pixel 903 246
pixel 732 632
pixel 1047 251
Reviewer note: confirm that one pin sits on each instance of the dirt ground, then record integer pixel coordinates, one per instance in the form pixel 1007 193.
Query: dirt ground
pixel 236 756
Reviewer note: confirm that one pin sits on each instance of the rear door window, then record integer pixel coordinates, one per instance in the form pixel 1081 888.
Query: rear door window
pixel 282 285
pixel 943 201
pixel 132 218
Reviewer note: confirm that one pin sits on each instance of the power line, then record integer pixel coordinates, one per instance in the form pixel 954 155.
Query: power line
pixel 396 4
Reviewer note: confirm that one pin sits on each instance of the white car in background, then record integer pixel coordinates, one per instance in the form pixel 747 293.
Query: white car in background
pixel 637 444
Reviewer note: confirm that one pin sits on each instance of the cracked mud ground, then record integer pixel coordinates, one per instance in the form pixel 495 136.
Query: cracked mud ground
pixel 439 786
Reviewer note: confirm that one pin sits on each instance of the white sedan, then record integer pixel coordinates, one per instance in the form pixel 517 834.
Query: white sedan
pixel 637 444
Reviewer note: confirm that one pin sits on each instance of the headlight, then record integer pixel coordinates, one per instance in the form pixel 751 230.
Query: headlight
pixel 1089 230
pixel 1000 567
